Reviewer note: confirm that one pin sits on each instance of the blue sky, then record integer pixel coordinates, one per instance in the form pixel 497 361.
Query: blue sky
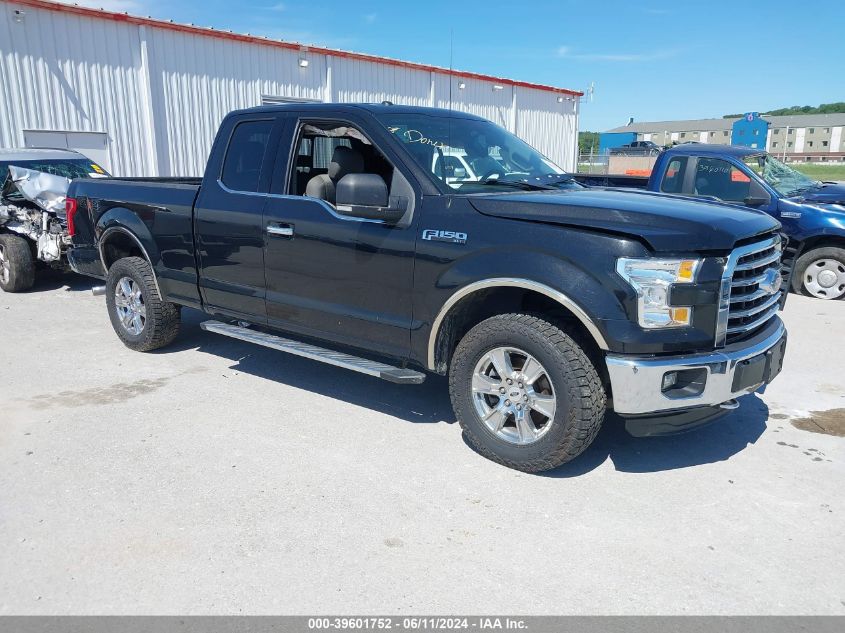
pixel 649 59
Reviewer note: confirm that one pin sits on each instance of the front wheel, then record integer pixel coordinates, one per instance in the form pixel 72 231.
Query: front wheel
pixel 820 273
pixel 138 315
pixel 526 395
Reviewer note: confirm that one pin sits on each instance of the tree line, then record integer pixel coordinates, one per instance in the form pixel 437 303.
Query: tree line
pixel 824 108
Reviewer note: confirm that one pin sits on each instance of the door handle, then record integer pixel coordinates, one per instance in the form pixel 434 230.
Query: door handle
pixel 282 230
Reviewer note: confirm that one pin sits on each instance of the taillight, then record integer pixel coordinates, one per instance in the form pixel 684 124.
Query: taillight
pixel 70 211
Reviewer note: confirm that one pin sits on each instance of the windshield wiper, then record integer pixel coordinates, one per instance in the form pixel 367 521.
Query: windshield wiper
pixel 515 184
pixel 564 180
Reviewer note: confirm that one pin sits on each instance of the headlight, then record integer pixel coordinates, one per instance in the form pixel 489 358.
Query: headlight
pixel 652 279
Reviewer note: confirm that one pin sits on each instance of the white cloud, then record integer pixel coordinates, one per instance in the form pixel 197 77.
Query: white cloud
pixel 279 6
pixel 563 51
pixel 370 18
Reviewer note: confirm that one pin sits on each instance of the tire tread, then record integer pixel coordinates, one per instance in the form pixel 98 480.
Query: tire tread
pixel 586 393
pixel 22 264
pixel 163 318
pixel 807 258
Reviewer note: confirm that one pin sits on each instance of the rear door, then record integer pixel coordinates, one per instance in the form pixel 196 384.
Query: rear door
pixel 228 216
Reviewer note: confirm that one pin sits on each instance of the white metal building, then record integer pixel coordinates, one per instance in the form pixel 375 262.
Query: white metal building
pixel 144 97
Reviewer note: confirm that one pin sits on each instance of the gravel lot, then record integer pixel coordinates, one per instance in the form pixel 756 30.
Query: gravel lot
pixel 219 477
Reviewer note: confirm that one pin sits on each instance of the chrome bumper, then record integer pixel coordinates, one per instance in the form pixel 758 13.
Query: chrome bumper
pixel 637 382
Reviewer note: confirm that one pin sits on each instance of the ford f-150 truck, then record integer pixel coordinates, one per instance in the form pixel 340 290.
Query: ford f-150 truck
pixel 812 212
pixel 324 230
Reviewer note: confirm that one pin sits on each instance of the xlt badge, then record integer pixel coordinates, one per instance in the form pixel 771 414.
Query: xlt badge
pixel 435 235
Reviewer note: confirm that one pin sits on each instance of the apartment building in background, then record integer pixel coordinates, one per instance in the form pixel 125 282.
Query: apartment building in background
pixel 800 136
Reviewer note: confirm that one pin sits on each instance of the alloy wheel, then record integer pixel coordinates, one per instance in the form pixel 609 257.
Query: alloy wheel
pixel 513 394
pixel 130 307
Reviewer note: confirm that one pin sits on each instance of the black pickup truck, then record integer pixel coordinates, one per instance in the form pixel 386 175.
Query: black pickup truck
pixel 337 232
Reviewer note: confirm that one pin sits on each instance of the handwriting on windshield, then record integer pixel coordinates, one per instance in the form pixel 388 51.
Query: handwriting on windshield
pixel 415 136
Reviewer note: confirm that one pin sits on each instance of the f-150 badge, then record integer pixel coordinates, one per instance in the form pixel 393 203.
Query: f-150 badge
pixel 435 235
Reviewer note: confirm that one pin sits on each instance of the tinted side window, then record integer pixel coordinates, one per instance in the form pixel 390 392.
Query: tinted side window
pixel 245 154
pixel 673 179
pixel 718 178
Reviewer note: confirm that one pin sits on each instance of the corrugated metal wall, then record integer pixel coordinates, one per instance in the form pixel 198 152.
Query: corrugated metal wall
pixel 62 72
pixel 195 81
pixel 160 94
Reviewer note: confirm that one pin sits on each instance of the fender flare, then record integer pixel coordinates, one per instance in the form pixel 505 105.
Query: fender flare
pixel 119 228
pixel 511 282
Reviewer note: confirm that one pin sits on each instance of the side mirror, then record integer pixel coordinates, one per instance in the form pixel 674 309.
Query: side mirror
pixel 366 196
pixel 757 195
pixel 460 173
pixel 751 201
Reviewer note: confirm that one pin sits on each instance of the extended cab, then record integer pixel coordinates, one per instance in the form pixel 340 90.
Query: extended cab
pixel 812 212
pixel 327 231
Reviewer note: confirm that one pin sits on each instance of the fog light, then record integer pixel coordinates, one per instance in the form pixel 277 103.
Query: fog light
pixel 669 380
pixel 684 383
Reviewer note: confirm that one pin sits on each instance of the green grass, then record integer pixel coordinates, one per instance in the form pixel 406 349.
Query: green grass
pixel 821 172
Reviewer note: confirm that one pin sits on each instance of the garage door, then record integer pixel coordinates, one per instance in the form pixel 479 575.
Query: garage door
pixel 94 145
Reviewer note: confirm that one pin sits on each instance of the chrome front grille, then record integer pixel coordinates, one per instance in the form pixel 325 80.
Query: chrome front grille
pixel 752 290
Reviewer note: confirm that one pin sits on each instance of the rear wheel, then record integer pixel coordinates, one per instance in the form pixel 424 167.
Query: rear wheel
pixel 526 395
pixel 138 315
pixel 17 266
pixel 820 273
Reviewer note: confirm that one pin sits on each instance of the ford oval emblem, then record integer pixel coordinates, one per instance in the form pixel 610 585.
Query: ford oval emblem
pixel 771 281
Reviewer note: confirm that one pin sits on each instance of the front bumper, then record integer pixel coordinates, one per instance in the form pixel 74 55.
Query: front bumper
pixel 704 380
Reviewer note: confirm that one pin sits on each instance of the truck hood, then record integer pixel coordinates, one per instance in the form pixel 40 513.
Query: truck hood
pixel 665 222
pixel 828 193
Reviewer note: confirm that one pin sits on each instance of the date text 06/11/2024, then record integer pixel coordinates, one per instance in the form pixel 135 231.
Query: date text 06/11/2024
pixel 417 623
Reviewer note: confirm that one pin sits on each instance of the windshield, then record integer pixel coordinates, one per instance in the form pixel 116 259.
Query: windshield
pixel 67 168
pixel 781 177
pixel 471 155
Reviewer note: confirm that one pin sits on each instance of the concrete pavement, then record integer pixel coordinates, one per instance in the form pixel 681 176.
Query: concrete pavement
pixel 218 477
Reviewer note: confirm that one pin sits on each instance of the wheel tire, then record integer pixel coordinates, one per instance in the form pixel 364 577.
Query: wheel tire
pixel 578 392
pixel 801 278
pixel 161 321
pixel 17 266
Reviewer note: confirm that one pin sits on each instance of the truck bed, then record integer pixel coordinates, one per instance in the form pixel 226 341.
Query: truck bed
pixel 158 212
pixel 171 193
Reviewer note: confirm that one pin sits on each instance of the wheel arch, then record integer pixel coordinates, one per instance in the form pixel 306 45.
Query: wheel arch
pixel 479 300
pixel 822 240
pixel 116 242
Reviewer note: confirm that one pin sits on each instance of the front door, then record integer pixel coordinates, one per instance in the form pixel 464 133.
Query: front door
pixel 330 275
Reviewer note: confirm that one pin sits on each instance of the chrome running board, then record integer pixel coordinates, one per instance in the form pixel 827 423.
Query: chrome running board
pixel 338 359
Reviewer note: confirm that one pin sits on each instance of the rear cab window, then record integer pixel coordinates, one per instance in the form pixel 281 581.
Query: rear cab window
pixel 673 177
pixel 245 155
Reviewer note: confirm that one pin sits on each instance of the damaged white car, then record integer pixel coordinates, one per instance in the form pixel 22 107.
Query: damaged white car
pixel 33 220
